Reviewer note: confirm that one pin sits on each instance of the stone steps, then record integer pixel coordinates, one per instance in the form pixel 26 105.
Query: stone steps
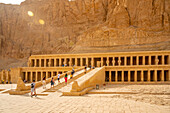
pixel 58 86
pixel 79 80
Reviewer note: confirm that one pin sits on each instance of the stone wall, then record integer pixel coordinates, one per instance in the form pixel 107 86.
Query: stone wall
pixel 70 26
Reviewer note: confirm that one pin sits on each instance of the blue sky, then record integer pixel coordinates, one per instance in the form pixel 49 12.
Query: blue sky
pixel 11 1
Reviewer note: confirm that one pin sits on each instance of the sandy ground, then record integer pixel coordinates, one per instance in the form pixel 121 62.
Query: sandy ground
pixel 89 103
pixel 149 99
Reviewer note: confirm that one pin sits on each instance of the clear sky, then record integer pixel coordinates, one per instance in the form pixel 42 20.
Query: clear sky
pixel 11 1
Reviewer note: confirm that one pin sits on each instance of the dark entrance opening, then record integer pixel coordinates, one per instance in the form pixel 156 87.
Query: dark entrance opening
pixel 166 75
pixel 122 61
pixel 132 75
pixel 107 76
pixel 126 76
pixel 128 60
pixel 145 75
pixel 119 76
pixel 160 60
pixel 159 75
pixel 138 76
pixel 116 61
pixel 140 60
pixel 152 60
pixel 152 76
pixel 146 60
pixel 113 75
pixel 42 62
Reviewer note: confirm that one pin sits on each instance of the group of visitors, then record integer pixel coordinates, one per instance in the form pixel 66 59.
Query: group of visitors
pixel 3 82
pixel 52 82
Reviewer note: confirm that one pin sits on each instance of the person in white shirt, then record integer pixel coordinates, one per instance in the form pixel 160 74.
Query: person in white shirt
pixel 59 77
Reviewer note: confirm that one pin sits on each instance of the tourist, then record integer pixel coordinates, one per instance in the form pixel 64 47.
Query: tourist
pixel 90 67
pixel 59 77
pixel 85 69
pixel 44 83
pixel 33 89
pixel 66 78
pixel 72 72
pixel 3 81
pixel 52 82
pixel 25 81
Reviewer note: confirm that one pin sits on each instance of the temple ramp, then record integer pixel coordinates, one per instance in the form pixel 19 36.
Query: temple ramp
pixel 85 83
pixel 58 86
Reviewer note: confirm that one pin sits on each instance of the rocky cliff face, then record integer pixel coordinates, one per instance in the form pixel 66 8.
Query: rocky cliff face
pixel 72 25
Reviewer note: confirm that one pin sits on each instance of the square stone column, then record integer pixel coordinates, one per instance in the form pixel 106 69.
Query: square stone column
pixel 36 76
pixel 49 63
pixel 137 60
pixel 131 60
pixel 135 76
pixel 26 76
pixel 35 65
pixel 31 76
pixel 81 61
pixel 123 76
pixel 46 76
pixel 119 61
pixel 75 61
pixel 101 61
pixel 60 62
pixel 110 76
pixel 116 76
pixel 149 60
pixel 142 77
pixel 39 62
pixel 87 61
pixel 163 60
pixel 64 61
pixel 143 63
pixel 156 60
pixel 92 62
pixel 70 61
pixel 125 60
pixel 149 76
pixel 55 62
pixel 162 77
pixel 113 61
pixel 45 62
pixel 7 76
pixel 107 61
pixel 155 75
pixel 129 76
pixel 41 76
pixel 52 74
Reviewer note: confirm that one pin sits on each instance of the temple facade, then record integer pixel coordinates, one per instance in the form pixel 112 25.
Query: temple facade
pixel 120 67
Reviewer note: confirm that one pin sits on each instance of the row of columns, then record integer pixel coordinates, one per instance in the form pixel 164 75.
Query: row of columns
pixel 36 75
pixel 119 61
pixel 142 76
pixel 5 76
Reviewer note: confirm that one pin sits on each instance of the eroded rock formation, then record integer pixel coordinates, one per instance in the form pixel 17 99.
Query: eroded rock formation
pixel 71 26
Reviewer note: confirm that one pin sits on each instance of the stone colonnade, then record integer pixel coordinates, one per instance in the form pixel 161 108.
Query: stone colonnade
pixel 98 61
pixel 5 77
pixel 29 76
pixel 136 75
pixel 153 66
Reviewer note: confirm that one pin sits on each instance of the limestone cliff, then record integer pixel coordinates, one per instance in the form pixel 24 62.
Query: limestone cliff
pixel 83 26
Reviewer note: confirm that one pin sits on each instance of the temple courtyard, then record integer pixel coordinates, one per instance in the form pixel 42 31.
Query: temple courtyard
pixel 107 99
